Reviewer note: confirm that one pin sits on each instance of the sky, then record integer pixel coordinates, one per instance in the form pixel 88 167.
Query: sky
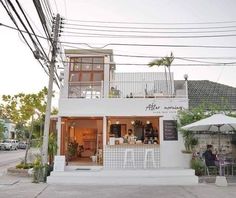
pixel 20 71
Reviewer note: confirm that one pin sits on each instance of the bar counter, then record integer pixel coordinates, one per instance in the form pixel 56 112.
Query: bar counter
pixel 114 156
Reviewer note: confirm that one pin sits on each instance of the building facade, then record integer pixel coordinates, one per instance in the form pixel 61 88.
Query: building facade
pixel 98 105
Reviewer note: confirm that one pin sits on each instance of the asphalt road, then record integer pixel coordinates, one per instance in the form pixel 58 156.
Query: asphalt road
pixel 9 157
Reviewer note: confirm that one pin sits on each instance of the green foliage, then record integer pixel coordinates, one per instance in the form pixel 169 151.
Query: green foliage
pixel 189 116
pixel 189 140
pixel 198 165
pixel 38 174
pixel 1 130
pixel 166 62
pixel 72 149
pixel 52 144
pixel 20 107
pixel 22 165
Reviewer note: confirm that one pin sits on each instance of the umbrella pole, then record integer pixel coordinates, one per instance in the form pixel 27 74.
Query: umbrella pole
pixel 219 139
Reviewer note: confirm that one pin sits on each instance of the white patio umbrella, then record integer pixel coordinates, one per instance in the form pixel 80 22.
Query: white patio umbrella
pixel 215 123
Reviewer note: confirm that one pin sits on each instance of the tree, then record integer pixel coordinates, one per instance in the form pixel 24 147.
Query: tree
pixel 20 108
pixel 166 62
pixel 2 129
pixel 189 116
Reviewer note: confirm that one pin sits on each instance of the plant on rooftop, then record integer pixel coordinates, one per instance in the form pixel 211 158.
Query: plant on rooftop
pixel 166 62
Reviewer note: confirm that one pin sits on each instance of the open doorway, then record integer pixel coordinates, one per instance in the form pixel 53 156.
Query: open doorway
pixel 82 141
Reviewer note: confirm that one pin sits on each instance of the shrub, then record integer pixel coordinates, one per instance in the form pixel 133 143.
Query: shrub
pixel 198 165
pixel 22 165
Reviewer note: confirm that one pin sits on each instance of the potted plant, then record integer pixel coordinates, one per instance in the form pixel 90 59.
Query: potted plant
pixel 189 143
pixel 72 150
pixel 198 165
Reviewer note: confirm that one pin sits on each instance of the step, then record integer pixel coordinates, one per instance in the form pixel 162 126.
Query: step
pixel 125 177
pixel 181 180
pixel 127 172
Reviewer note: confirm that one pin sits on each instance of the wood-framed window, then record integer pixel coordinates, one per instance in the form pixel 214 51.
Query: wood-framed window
pixel 85 69
pixel 85 76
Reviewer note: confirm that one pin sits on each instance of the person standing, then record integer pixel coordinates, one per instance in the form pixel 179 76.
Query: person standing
pixel 129 137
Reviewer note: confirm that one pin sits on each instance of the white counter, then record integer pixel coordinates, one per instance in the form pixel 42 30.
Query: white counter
pixel 114 156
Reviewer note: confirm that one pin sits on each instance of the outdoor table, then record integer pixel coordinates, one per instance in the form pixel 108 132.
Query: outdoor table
pixel 226 162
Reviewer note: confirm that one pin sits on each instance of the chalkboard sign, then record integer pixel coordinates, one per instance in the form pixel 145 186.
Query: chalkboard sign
pixel 170 130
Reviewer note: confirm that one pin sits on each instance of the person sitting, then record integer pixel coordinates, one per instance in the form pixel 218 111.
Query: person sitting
pixel 210 158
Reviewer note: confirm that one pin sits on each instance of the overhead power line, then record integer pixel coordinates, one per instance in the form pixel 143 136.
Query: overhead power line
pixel 149 28
pixel 146 56
pixel 150 36
pixel 145 32
pixel 20 30
pixel 14 21
pixel 174 65
pixel 151 23
pixel 44 53
pixel 150 45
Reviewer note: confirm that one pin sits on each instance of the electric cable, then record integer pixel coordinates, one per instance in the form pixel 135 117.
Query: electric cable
pixel 146 56
pixel 142 32
pixel 147 37
pixel 14 21
pixel 20 7
pixel 149 28
pixel 150 45
pixel 152 23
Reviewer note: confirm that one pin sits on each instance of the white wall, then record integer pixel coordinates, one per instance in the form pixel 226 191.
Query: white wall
pixel 121 106
pixel 166 108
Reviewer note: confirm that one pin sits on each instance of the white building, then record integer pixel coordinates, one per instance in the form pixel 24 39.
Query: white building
pixel 95 101
pixel 9 129
pixel 97 106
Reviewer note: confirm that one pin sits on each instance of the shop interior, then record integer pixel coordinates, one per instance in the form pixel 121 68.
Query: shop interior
pixel 144 129
pixel 82 138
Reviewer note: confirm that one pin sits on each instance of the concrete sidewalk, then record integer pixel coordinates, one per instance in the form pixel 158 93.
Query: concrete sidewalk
pixel 20 187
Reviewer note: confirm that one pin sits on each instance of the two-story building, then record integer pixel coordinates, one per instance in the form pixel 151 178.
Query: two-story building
pixel 97 106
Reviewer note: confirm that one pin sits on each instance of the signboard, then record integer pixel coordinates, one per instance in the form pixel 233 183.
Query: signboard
pixel 59 163
pixel 170 130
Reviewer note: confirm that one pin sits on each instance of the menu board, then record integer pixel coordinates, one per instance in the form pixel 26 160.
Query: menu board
pixel 170 130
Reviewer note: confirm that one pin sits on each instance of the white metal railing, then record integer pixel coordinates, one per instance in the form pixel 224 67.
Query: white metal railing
pixel 123 89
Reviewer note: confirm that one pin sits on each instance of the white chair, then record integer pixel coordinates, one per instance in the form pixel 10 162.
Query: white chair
pixel 129 157
pixel 149 153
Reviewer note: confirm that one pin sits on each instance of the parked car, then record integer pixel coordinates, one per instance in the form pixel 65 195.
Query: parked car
pixel 9 144
pixel 22 145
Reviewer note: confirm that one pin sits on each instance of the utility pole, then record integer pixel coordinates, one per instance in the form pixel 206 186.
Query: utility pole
pixel 56 28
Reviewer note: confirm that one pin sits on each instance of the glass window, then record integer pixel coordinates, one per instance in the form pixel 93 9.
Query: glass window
pixel 87 60
pixel 97 76
pixel 74 77
pixel 98 67
pixel 77 66
pixel 85 76
pixel 86 67
pixel 71 65
pixel 98 60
